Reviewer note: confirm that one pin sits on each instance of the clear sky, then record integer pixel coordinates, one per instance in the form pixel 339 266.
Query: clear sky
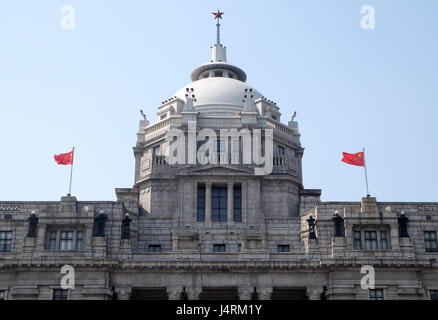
pixel 352 88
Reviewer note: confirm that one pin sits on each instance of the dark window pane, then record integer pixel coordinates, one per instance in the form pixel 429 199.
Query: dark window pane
pixel 370 240
pixel 5 241
pixel 434 295
pixel 237 193
pixel 66 240
pixel 357 240
pixel 201 203
pixel 283 248
pixel 79 240
pixel 60 294
pixel 219 204
pixel 430 241
pixel 376 294
pixel 154 248
pixel 219 248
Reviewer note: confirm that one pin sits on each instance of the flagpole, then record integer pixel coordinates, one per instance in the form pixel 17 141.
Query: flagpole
pixel 71 172
pixel 366 175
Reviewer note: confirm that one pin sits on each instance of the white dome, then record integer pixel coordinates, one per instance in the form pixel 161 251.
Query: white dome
pixel 218 95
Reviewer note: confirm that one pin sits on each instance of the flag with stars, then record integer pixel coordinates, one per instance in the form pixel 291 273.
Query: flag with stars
pixel 355 159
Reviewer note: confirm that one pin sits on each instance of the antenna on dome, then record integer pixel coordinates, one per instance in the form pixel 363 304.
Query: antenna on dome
pixel 218 15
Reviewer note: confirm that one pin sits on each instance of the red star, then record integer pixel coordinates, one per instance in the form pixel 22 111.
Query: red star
pixel 218 14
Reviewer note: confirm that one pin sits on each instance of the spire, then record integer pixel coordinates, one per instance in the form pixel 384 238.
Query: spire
pixel 218 15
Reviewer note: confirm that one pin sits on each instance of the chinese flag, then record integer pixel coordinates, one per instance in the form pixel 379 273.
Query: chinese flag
pixel 355 159
pixel 64 158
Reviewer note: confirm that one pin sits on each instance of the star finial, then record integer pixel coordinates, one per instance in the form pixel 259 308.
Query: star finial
pixel 218 14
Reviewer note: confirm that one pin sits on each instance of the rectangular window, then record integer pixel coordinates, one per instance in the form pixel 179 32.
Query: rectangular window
pixel 218 73
pixel 237 196
pixel 370 240
pixel 66 240
pixel 5 241
pixel 283 248
pixel 357 240
pixel 60 294
pixel 2 295
pixel 52 240
pixel 219 204
pixel 79 240
pixel 430 241
pixel 201 203
pixel 219 248
pixel 280 151
pixel 239 247
pixel 376 294
pixel 433 294
pixel 154 248
pixel 384 240
pixel 157 150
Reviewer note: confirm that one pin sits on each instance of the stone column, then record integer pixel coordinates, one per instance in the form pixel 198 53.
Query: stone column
pixel 208 202
pixel 230 202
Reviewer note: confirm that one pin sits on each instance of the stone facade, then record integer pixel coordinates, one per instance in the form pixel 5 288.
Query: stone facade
pixel 174 246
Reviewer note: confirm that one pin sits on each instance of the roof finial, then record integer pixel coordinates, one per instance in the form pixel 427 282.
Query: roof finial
pixel 218 15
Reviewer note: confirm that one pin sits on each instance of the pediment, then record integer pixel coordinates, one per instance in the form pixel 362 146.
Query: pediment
pixel 218 169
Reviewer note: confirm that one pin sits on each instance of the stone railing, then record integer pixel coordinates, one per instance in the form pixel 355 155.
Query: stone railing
pixel 280 161
pixel 159 160
pixel 158 126
pixel 280 127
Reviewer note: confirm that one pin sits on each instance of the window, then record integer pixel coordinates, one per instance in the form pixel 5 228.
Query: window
pixel 283 248
pixel 163 116
pixel 5 241
pixel 280 151
pixel 219 248
pixel 370 240
pixel 218 73
pixel 154 248
pixel 2 294
pixel 273 117
pixel 60 294
pixel 237 196
pixel 201 203
pixel 376 294
pixel 66 241
pixel 230 75
pixel 157 150
pixel 383 240
pixel 52 240
pixel 357 240
pixel 430 241
pixel 433 294
pixel 219 204
pixel 239 247
pixel 79 240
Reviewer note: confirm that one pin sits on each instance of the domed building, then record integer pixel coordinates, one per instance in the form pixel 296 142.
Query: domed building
pixel 218 210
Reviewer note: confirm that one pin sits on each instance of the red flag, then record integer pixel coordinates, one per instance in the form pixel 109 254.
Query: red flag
pixel 64 158
pixel 355 159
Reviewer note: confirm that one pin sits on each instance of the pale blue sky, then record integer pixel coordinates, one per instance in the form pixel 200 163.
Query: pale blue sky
pixel 351 88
